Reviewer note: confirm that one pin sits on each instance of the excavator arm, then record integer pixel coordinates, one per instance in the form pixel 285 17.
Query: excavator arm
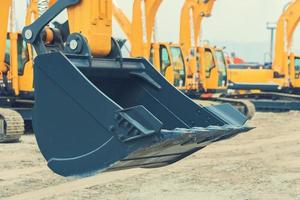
pixel 143 24
pixel 4 10
pixel 100 18
pixel 204 10
pixel 286 26
pixel 32 12
pixel 192 14
pixel 187 25
pixel 96 111
pixel 143 20
pixel 123 21
pixel 140 29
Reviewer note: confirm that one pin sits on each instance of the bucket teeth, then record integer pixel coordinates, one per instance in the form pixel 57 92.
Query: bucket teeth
pixel 176 145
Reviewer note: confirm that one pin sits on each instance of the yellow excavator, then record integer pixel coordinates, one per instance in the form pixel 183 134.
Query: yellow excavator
pixel 164 56
pixel 192 14
pixel 16 73
pixel 170 61
pixel 168 58
pixel 96 111
pixel 215 70
pixel 197 71
pixel 206 62
pixel 275 87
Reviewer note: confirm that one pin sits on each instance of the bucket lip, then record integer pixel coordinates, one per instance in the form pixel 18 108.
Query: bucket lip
pixel 187 143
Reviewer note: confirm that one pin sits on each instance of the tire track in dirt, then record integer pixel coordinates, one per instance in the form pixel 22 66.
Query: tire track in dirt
pixel 15 173
pixel 79 184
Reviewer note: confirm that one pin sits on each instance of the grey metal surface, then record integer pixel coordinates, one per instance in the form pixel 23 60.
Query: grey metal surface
pixel 97 118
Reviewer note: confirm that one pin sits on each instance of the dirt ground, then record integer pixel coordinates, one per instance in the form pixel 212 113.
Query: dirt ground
pixel 262 164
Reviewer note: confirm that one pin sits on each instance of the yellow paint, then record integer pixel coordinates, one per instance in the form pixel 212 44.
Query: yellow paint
pixel 4 10
pixel 20 70
pixel 213 68
pixel 95 24
pixel 14 62
pixel 192 14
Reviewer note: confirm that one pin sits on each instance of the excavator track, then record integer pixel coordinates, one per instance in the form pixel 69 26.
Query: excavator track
pixel 11 125
pixel 271 101
pixel 244 106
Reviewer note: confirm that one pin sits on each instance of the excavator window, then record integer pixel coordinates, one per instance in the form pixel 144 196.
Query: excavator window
pixel 209 62
pixel 297 67
pixel 221 63
pixel 164 59
pixel 179 67
pixel 23 56
pixel 151 58
pixel 7 52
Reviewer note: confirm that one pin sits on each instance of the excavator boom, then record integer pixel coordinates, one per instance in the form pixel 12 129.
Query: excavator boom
pixel 286 27
pixel 96 111
pixel 192 14
pixel 123 21
pixel 4 9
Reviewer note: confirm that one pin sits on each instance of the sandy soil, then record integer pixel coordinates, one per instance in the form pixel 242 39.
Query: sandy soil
pixel 262 164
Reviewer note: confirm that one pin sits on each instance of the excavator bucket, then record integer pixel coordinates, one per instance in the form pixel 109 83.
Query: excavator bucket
pixel 95 114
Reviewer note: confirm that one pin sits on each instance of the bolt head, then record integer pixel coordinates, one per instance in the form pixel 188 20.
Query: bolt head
pixel 73 44
pixel 28 34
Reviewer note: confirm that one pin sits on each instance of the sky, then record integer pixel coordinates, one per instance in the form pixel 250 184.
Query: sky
pixel 240 26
